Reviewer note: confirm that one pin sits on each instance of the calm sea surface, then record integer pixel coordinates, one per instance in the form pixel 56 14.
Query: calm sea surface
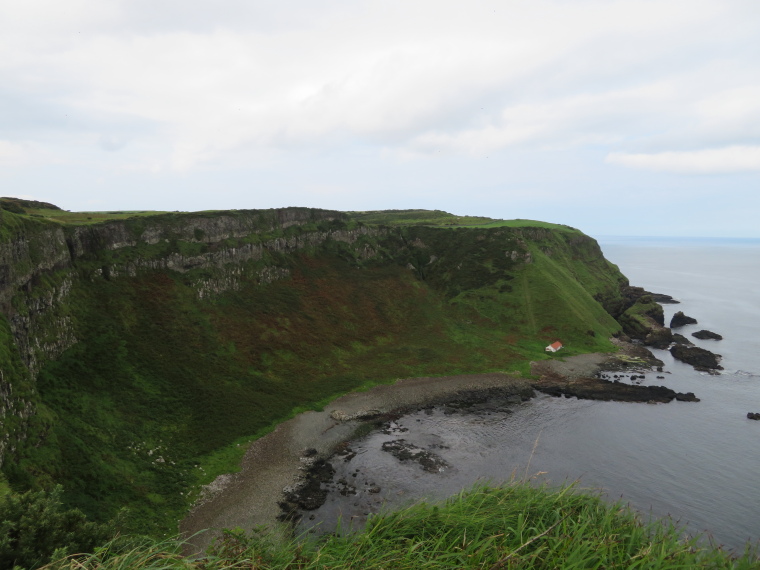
pixel 697 462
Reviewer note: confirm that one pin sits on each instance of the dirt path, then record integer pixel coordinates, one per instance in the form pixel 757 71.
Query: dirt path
pixel 250 498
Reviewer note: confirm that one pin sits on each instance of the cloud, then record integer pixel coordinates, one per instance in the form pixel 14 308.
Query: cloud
pixel 709 161
pixel 417 77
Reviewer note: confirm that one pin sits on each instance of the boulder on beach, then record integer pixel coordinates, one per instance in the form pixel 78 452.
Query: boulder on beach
pixel 679 320
pixel 699 358
pixel 705 335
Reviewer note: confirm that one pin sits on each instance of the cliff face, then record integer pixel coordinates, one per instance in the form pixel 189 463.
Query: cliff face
pixel 171 336
pixel 40 261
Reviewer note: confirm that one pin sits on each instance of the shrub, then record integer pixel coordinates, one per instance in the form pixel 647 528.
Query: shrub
pixel 36 527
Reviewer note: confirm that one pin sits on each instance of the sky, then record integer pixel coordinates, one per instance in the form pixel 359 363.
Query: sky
pixel 618 117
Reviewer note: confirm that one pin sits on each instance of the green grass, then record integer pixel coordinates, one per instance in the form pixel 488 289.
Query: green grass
pixel 525 224
pixel 510 526
pixel 416 217
pixel 87 218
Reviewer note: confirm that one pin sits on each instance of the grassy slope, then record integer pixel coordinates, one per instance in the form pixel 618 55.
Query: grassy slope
pixel 162 388
pixel 512 526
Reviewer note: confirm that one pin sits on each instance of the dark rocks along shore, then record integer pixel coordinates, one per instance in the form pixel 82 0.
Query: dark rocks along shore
pixel 701 359
pixel 706 335
pixel 679 320
pixel 600 389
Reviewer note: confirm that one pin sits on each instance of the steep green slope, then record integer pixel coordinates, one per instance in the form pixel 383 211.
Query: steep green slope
pixel 164 342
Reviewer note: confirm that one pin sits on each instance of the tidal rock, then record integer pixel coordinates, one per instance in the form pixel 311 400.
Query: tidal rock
pixel 705 335
pixel 679 320
pixel 598 389
pixel 308 494
pixel 680 339
pixel 753 416
pixel 699 358
pixel 664 299
pixel 404 451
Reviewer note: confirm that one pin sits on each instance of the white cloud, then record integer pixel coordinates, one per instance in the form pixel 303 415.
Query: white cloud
pixel 709 161
pixel 416 76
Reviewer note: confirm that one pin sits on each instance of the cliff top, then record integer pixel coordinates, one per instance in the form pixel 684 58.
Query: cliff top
pixel 418 217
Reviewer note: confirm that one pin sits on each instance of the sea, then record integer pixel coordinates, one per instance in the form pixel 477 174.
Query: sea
pixel 697 463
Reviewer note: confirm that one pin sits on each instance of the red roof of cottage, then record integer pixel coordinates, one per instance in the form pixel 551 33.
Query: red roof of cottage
pixel 556 345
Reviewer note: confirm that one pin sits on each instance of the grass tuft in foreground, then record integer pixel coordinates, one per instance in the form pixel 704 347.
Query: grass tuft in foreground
pixel 512 526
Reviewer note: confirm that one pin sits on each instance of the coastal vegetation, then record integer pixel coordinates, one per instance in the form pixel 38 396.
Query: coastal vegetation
pixel 511 526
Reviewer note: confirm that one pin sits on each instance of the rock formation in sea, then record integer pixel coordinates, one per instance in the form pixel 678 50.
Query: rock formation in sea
pixel 679 320
pixel 680 339
pixel 699 358
pixel 705 335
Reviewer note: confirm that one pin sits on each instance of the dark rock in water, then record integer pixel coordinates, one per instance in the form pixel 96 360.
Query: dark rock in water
pixel 598 389
pixel 680 339
pixel 687 397
pixel 404 451
pixel 679 320
pixel 704 335
pixel 753 416
pixel 659 338
pixel 664 299
pixel 310 494
pixel 699 358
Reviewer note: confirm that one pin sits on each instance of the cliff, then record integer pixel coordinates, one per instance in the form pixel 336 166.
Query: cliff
pixel 137 353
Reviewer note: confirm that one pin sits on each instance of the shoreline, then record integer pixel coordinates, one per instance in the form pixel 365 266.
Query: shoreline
pixel 279 461
pixel 276 461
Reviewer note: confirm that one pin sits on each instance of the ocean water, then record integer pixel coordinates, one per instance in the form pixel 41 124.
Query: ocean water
pixel 696 462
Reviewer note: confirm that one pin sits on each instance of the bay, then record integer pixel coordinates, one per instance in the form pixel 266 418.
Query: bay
pixel 696 462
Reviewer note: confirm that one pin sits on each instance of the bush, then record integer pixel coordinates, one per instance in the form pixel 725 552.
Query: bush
pixel 36 528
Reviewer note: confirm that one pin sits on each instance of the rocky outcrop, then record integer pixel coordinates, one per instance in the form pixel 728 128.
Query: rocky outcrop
pixel 643 317
pixel 753 416
pixel 679 320
pixel 664 299
pixel 706 335
pixel 659 338
pixel 699 358
pixel 599 389
pixel 680 339
pixel 405 451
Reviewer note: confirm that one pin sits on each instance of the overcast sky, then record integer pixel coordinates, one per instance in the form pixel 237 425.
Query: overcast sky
pixel 619 117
